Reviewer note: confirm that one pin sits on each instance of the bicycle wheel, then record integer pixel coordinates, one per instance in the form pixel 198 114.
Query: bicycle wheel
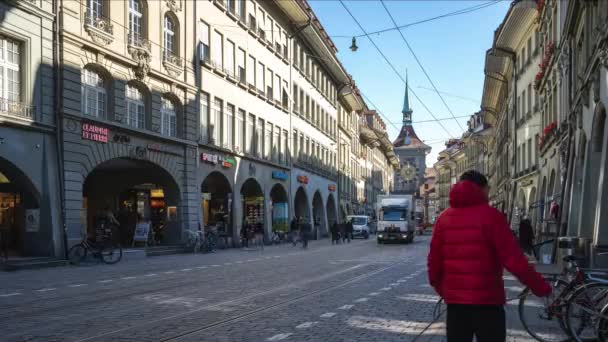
pixel 111 253
pixel 583 311
pixel 543 318
pixel 77 254
pixel 602 325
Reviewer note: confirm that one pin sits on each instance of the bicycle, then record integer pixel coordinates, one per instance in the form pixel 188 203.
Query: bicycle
pixel 546 319
pixel 209 243
pixel 107 250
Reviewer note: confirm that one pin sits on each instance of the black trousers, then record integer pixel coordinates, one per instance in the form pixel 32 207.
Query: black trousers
pixel 485 322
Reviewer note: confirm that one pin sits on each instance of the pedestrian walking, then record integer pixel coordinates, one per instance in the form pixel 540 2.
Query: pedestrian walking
pixel 343 231
pixel 293 227
pixel 348 234
pixel 471 245
pixel 305 230
pixel 526 236
pixel 335 235
pixel 245 232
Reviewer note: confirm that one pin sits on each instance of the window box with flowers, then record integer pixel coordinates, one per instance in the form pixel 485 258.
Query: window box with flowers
pixel 540 4
pixel 548 133
pixel 544 65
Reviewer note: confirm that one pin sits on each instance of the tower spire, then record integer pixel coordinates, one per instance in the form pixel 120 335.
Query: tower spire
pixel 407 110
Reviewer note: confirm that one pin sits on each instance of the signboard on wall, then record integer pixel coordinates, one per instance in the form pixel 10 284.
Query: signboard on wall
pixel 94 133
pixel 303 179
pixel 32 220
pixel 280 175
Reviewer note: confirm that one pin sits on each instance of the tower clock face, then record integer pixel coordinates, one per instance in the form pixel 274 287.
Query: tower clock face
pixel 408 172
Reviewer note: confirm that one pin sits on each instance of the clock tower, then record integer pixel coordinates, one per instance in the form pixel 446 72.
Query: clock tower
pixel 411 151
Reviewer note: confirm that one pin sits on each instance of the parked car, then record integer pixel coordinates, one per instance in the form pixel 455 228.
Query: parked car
pixel 360 225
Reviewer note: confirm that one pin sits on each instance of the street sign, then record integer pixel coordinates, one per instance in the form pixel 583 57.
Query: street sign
pixel 142 229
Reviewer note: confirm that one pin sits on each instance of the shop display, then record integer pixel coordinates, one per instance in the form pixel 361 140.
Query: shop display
pixel 280 218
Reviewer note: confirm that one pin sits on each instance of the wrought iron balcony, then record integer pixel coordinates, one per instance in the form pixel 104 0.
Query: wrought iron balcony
pixel 99 28
pixel 137 41
pixel 16 109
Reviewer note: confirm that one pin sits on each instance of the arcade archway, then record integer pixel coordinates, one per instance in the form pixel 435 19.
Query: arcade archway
pixel 280 208
pixel 217 203
pixel 136 192
pixel 253 203
pixel 300 203
pixel 19 200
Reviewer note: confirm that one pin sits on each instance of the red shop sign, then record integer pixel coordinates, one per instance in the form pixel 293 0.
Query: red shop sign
pixel 303 179
pixel 331 188
pixel 95 133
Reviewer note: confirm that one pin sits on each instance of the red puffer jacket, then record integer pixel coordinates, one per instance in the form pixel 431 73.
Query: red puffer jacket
pixel 471 245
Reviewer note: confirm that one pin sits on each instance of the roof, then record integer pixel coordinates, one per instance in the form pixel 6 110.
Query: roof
pixel 406 99
pixel 414 141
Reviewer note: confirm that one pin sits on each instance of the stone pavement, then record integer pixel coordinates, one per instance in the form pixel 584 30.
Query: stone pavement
pixel 351 292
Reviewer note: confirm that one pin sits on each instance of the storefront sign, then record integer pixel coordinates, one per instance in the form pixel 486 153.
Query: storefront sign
pixel 163 148
pixel 280 175
pixel 331 187
pixel 32 220
pixel 95 133
pixel 303 179
pixel 142 229
pixel 215 159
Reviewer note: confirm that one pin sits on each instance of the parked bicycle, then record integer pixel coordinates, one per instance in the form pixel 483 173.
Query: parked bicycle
pixel 107 250
pixel 573 309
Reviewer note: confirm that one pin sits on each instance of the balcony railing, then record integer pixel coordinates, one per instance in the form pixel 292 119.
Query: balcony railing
pixel 99 28
pixel 169 57
pixel 136 40
pixel 16 109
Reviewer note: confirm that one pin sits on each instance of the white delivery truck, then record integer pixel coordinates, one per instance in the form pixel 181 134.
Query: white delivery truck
pixel 396 221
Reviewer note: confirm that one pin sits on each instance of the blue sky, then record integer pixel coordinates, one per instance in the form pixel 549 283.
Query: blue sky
pixel 452 51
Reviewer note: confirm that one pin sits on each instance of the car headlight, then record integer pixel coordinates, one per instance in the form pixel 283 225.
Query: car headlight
pixel 404 235
pixel 380 235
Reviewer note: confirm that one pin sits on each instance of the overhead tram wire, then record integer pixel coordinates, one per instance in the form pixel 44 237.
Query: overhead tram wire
pixel 449 14
pixel 420 65
pixel 395 70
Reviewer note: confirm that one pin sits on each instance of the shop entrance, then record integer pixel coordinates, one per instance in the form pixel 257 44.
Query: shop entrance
pixel 136 193
pixel 253 205
pixel 18 202
pixel 301 208
pixel 318 212
pixel 217 204
pixel 280 209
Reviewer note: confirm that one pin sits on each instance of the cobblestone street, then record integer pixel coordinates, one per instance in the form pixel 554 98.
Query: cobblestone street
pixel 350 292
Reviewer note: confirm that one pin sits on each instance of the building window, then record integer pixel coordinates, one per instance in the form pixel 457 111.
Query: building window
pixel 10 75
pixel 93 94
pixel 240 59
pixel 250 134
pixel 261 77
pixel 168 123
pixel 269 89
pixel 228 127
pixel 294 148
pixel 259 138
pixel 204 118
pixel 276 144
pixel 239 130
pixel 251 71
pixel 284 147
pixel 230 58
pixel 170 39
pixel 268 141
pixel 95 9
pixel 205 48
pixel 135 107
pixel 216 121
pixel 136 17
pixel 218 50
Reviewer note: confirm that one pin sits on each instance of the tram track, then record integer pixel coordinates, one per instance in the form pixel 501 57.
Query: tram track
pixel 243 315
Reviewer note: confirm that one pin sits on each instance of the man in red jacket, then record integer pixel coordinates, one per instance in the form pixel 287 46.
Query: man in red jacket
pixel 471 245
